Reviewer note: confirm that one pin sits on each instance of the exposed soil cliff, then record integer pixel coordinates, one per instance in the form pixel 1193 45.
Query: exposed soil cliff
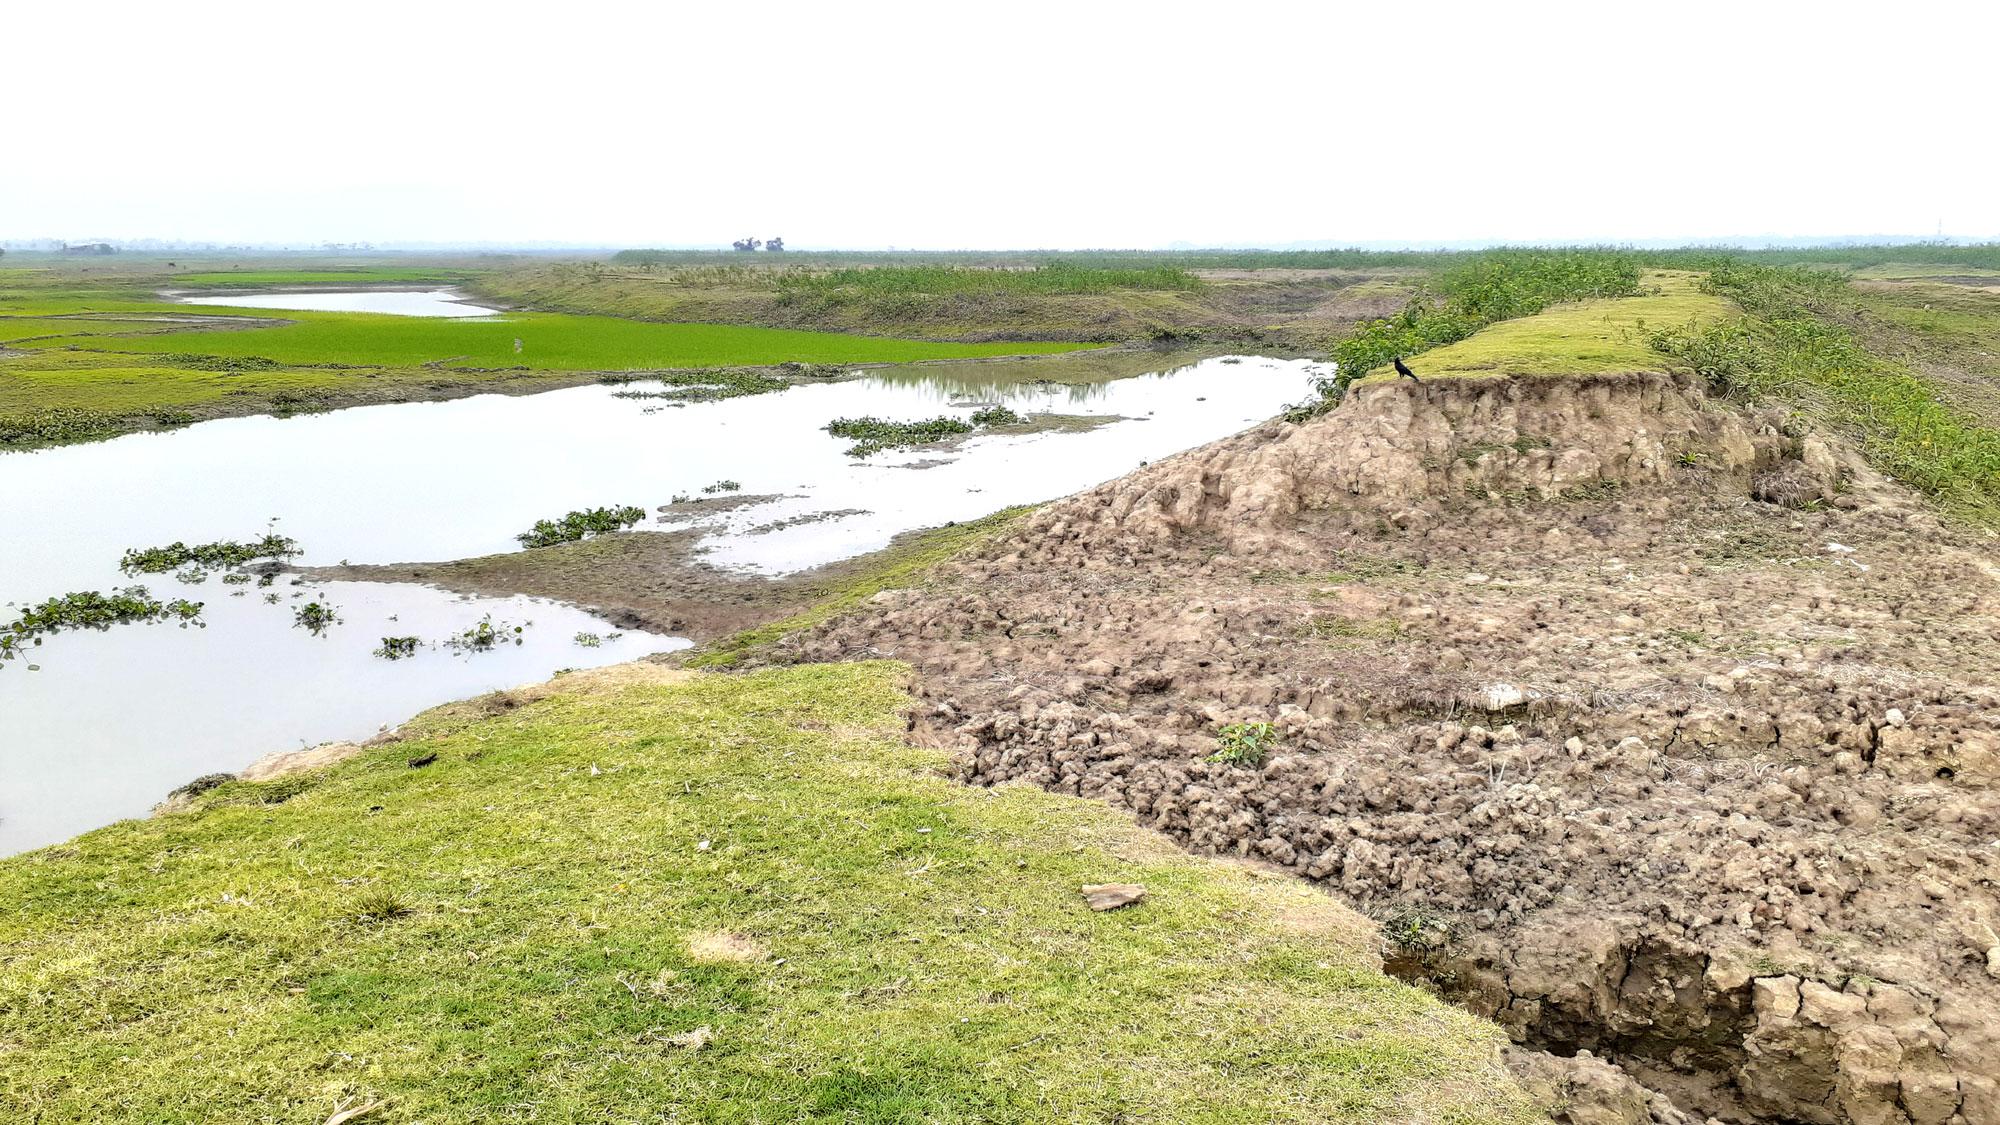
pixel 1650 728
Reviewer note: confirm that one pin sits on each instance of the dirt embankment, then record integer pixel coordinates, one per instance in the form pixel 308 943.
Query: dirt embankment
pixel 1662 734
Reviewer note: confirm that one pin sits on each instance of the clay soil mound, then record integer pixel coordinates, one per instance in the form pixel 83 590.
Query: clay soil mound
pixel 1649 728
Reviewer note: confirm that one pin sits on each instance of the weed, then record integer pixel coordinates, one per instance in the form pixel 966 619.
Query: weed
pixel 485 635
pixel 315 617
pixel 721 486
pixel 577 525
pixel 381 906
pixel 91 609
pixel 397 648
pixel 55 424
pixel 588 640
pixel 996 415
pixel 206 557
pixel 1244 744
pixel 873 435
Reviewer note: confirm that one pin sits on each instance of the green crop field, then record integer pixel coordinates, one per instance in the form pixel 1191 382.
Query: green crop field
pixel 550 342
pixel 717 898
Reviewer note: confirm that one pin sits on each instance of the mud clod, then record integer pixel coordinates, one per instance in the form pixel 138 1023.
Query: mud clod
pixel 1650 777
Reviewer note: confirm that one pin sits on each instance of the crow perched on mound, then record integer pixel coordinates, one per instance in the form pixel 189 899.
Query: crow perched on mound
pixel 1403 370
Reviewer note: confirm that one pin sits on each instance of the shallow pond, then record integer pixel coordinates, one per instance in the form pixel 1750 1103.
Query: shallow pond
pixel 113 720
pixel 399 302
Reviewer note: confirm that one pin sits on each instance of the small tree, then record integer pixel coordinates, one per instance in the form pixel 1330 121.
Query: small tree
pixel 775 244
pixel 746 244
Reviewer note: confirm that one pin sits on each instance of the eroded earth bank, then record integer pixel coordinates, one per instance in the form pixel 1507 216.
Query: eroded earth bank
pixel 1661 733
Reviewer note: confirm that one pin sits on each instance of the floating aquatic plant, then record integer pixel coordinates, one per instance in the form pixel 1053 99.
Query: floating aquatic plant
pixel 91 609
pixel 316 617
pixel 577 525
pixel 195 563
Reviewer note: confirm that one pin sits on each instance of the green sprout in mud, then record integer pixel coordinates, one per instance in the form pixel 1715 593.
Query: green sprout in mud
pixel 589 640
pixel 577 525
pixel 398 648
pixel 1244 744
pixel 91 609
pixel 315 617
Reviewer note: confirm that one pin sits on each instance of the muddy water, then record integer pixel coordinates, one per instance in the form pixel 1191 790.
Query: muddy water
pixel 110 721
pixel 400 302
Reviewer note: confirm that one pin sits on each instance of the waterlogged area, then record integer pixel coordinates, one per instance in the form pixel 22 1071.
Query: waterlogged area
pixel 110 721
pixel 398 302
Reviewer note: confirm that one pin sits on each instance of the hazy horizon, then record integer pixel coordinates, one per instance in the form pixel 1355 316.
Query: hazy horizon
pixel 1058 127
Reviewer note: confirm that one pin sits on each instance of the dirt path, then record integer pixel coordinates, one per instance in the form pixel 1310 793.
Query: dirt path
pixel 1650 730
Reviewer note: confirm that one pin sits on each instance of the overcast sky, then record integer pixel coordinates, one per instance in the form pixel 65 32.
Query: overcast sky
pixel 1003 124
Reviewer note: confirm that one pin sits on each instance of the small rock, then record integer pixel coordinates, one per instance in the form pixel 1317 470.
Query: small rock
pixel 1111 896
pixel 1894 717
pixel 422 760
pixel 1499 697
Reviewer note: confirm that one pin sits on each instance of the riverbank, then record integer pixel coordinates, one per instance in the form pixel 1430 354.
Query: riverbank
pixel 741 897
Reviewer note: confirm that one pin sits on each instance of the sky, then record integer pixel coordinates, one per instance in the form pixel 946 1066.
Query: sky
pixel 997 125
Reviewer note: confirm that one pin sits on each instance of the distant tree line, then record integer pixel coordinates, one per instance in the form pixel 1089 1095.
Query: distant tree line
pixel 748 244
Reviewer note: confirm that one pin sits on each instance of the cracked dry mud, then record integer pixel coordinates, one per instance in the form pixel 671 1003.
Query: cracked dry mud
pixel 1660 733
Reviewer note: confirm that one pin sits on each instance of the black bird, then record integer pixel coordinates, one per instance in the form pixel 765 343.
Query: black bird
pixel 1404 370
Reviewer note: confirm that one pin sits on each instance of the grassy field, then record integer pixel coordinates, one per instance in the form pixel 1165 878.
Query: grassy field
pixel 688 897
pixel 1579 338
pixel 955 298
pixel 84 358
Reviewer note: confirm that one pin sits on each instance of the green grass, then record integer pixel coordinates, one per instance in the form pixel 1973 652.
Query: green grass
pixel 550 342
pixel 1799 346
pixel 1473 293
pixel 524 929
pixel 1580 338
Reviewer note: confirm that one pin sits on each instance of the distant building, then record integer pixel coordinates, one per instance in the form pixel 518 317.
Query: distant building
pixel 90 248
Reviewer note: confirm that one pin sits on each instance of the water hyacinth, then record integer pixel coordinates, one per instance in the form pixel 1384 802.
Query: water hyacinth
pixel 92 609
pixel 577 525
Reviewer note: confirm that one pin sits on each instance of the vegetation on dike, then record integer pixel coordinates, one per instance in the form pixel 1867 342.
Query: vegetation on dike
pixel 204 557
pixel 91 609
pixel 577 525
pixel 724 899
pixel 1473 293
pixel 1797 346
